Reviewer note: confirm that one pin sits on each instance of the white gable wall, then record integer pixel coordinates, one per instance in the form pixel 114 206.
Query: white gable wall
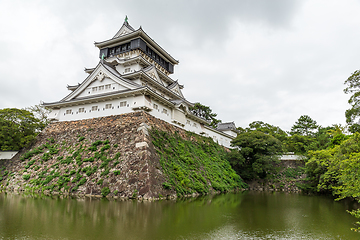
pixel 128 69
pixel 105 86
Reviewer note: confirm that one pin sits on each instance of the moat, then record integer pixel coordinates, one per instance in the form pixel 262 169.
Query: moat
pixel 247 215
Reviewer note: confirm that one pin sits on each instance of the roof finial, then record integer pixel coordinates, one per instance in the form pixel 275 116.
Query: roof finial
pixel 126 19
pixel 103 56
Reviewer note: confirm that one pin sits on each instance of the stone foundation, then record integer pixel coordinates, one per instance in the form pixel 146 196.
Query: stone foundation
pixel 138 174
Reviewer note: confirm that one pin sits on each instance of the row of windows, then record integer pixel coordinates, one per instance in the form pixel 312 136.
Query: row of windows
pixel 189 123
pixel 96 108
pixel 100 88
pixel 119 49
pixel 156 107
pixel 156 57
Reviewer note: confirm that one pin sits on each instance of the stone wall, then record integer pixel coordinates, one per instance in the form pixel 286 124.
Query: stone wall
pixel 138 173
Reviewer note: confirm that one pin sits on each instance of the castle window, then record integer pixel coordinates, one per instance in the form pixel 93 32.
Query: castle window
pixel 94 108
pixel 123 104
pixel 164 111
pixel 195 125
pixel 94 89
pixel 156 106
pixel 107 86
pixel 68 111
pixel 108 106
pixel 81 110
pixel 127 70
pixel 188 122
pixel 101 87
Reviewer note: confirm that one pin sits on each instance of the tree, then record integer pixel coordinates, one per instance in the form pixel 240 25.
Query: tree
pixel 206 113
pixel 304 126
pixel 18 128
pixel 256 154
pixel 267 128
pixel 336 169
pixel 353 87
pixel 40 113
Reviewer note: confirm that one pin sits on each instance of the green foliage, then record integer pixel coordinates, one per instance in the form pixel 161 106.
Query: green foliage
pixel 67 160
pixel 18 128
pixel 100 182
pixel 105 191
pixel 26 177
pixel 256 154
pixel 166 185
pixel 106 147
pixel 334 170
pixel 116 192
pixel 135 193
pixel 46 157
pixel 304 126
pixel 194 165
pixel 269 129
pixel 293 172
pixel 353 87
pixel 31 153
pixel 206 113
pixel 117 172
pixel 105 172
pixel 81 138
pixel 97 143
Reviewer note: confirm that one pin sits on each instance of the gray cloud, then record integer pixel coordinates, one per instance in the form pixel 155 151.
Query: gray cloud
pixel 249 60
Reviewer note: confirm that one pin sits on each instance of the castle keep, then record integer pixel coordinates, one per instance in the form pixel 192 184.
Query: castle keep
pixel 133 74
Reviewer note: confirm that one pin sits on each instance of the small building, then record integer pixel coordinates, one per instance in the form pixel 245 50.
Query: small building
pixel 133 74
pixel 5 155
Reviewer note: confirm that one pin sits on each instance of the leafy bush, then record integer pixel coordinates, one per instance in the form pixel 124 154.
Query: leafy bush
pixel 100 182
pixel 105 191
pixel 46 157
pixel 117 172
pixel 26 177
pixel 92 148
pixel 106 172
pixel 81 138
pixel 166 185
pixel 106 147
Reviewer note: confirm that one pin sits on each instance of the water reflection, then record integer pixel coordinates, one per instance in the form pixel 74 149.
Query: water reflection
pixel 249 215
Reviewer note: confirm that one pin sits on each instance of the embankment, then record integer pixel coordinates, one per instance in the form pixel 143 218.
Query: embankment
pixel 124 156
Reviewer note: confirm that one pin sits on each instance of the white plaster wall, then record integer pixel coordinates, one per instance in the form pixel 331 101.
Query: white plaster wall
pixel 133 68
pixel 137 102
pixel 158 113
pixel 114 87
pixel 101 112
pixel 7 154
pixel 231 133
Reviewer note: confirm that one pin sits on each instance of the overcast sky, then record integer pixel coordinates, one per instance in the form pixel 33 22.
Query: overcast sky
pixel 249 60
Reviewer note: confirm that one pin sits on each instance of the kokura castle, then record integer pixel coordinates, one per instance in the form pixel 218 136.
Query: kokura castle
pixel 133 74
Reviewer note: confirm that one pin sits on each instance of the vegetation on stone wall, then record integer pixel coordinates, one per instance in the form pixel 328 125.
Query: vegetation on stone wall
pixel 67 172
pixel 194 165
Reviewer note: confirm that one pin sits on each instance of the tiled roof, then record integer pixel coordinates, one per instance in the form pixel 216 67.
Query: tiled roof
pixel 226 126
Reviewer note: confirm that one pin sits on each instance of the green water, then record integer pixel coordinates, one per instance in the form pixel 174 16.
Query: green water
pixel 249 215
